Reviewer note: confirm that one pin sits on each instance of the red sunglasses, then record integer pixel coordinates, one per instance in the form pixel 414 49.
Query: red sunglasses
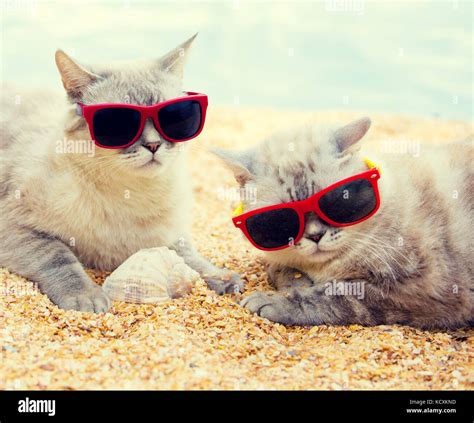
pixel 344 203
pixel 120 125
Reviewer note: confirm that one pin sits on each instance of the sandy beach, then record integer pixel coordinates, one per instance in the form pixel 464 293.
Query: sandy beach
pixel 204 341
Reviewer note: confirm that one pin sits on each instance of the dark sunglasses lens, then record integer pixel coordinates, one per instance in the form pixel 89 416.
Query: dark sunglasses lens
pixel 182 120
pixel 116 127
pixel 274 228
pixel 350 202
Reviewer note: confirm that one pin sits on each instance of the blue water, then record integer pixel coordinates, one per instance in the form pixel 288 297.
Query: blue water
pixel 386 56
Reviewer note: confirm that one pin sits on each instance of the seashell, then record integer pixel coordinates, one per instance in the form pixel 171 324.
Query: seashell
pixel 152 275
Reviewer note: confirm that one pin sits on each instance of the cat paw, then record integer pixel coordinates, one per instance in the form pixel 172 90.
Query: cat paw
pixel 227 283
pixel 270 305
pixel 92 300
pixel 285 279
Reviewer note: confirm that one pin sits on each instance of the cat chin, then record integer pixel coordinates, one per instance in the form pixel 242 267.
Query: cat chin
pixel 151 164
pixel 150 168
pixel 319 256
pixel 307 253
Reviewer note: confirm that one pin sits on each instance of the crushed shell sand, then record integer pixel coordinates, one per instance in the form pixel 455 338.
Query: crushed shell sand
pixel 204 341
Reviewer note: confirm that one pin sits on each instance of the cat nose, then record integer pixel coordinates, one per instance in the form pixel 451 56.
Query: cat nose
pixel 153 146
pixel 316 237
pixel 150 138
pixel 314 228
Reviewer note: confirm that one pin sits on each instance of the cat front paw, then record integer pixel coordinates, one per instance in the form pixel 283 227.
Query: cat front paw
pixel 92 300
pixel 270 305
pixel 285 279
pixel 225 283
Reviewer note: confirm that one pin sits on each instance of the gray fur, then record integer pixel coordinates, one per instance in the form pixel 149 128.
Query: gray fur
pixel 61 211
pixel 413 257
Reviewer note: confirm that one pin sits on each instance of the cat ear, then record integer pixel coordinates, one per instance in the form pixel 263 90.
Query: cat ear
pixel 348 135
pixel 75 78
pixel 174 61
pixel 241 163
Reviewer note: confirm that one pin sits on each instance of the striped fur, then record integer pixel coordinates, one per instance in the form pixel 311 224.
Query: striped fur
pixel 413 258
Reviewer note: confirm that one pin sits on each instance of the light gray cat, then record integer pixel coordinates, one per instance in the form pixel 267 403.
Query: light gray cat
pixel 61 208
pixel 410 263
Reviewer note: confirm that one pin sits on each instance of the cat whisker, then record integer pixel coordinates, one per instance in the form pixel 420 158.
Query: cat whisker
pixel 385 245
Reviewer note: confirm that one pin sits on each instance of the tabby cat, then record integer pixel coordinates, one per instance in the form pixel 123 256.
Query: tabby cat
pixel 410 263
